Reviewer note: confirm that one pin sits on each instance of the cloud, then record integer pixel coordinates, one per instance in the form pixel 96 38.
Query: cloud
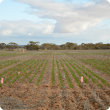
pixel 29 33
pixel 70 17
pixel 25 27
pixel 6 32
pixel 108 1
pixel 1 1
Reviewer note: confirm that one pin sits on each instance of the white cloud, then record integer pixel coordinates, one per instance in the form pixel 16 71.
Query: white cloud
pixel 71 17
pixel 48 29
pixel 24 27
pixel 89 4
pixel 1 1
pixel 29 33
pixel 108 1
pixel 6 32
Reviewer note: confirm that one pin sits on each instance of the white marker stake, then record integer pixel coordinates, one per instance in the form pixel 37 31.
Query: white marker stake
pixel 1 80
pixel 82 79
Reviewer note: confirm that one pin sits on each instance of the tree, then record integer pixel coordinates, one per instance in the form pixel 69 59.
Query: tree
pixel 98 45
pixel 82 46
pixel 32 45
pixel 2 45
pixel 55 47
pixel 11 46
pixel 71 46
pixel 46 46
pixel 50 46
pixel 63 47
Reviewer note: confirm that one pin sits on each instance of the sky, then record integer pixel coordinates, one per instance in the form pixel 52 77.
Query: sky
pixel 54 21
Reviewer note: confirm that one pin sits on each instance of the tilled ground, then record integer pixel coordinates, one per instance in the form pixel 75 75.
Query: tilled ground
pixel 45 97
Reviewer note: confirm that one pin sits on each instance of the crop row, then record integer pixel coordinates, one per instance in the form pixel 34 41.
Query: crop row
pixel 10 70
pixel 59 75
pixel 53 73
pixel 41 73
pixel 24 71
pixel 72 73
pixel 30 64
pixel 68 80
pixel 16 74
pixel 76 69
pixel 15 70
pixel 102 65
pixel 99 78
pixel 36 72
pixel 7 63
pixel 80 71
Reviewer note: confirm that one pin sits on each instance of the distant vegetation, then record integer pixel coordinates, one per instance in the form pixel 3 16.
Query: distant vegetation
pixel 51 46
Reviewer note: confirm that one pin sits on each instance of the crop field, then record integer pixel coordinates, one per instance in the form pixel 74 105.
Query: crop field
pixel 51 80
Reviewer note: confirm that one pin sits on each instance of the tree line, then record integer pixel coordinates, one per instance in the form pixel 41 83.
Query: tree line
pixel 51 46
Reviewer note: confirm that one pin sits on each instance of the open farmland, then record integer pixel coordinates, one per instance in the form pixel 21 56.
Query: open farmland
pixel 51 80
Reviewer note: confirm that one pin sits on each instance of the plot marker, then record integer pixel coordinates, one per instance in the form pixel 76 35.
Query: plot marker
pixel 18 72
pixel 1 80
pixel 81 78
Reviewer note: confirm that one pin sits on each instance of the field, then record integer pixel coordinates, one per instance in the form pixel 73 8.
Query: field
pixel 51 80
